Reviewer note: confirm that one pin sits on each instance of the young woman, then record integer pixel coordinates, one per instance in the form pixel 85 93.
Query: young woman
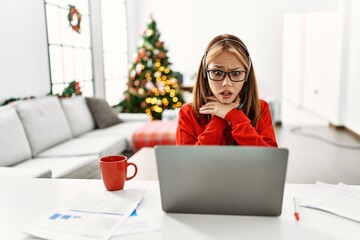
pixel 226 108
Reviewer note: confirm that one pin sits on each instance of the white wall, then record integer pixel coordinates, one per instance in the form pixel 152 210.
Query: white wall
pixel 352 106
pixel 24 65
pixel 321 61
pixel 292 71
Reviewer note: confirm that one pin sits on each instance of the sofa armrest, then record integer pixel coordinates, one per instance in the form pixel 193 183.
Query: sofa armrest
pixel 131 117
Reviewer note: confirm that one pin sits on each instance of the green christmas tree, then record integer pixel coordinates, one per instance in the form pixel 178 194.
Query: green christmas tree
pixel 152 85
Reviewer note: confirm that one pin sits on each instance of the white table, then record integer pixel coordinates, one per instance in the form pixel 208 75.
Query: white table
pixel 146 162
pixel 24 200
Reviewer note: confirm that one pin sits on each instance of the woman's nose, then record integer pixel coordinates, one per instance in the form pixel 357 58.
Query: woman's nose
pixel 226 81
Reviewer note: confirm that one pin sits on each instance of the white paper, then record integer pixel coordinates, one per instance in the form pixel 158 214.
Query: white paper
pixel 339 199
pixel 87 216
pixel 140 221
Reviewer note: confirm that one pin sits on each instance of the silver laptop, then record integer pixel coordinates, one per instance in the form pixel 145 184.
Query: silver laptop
pixel 222 179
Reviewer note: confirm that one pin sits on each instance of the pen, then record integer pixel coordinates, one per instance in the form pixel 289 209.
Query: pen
pixel 296 213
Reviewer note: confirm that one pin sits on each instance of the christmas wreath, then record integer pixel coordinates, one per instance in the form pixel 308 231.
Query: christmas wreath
pixel 73 12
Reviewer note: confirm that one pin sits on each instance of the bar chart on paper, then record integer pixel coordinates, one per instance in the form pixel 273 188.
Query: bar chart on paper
pixel 87 216
pixel 59 216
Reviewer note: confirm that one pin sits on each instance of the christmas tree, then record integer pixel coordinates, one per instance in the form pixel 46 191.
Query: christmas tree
pixel 152 85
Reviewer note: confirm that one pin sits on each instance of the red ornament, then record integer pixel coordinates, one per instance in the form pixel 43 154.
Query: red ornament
pixel 161 55
pixel 77 88
pixel 143 104
pixel 142 52
pixel 132 75
pixel 159 44
pixel 138 58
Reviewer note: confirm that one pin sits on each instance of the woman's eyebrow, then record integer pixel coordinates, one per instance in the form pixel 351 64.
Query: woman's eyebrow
pixel 231 69
pixel 237 68
pixel 219 66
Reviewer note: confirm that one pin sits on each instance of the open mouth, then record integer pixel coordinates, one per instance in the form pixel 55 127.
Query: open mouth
pixel 226 94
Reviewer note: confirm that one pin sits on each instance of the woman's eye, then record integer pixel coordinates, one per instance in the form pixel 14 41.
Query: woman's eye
pixel 235 73
pixel 218 72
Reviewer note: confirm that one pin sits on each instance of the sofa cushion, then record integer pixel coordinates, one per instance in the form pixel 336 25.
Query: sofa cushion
pixel 14 146
pixel 18 172
pixel 100 146
pixel 78 115
pixel 102 113
pixel 44 122
pixel 124 129
pixel 67 167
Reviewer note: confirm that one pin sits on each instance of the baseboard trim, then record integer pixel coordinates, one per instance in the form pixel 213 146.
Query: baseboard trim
pixel 347 130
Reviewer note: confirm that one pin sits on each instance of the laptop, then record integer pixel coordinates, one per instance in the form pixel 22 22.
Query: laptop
pixel 230 180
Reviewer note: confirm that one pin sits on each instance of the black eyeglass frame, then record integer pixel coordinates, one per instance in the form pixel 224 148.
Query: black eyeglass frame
pixel 225 73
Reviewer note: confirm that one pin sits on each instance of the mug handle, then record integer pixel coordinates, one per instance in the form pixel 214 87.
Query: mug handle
pixel 133 164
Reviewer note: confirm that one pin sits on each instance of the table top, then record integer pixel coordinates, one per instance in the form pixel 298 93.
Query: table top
pixel 24 200
pixel 146 163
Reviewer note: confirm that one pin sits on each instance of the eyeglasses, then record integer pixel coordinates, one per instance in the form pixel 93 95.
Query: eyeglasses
pixel 218 75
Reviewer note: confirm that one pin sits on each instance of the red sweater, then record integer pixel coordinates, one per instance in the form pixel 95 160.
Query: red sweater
pixel 219 132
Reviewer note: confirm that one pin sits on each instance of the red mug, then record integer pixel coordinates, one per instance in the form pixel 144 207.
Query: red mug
pixel 113 171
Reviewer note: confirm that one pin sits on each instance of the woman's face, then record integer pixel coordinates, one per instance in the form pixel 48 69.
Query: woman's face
pixel 226 91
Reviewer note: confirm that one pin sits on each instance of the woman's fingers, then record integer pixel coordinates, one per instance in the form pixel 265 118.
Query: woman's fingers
pixel 203 108
pixel 209 104
pixel 206 111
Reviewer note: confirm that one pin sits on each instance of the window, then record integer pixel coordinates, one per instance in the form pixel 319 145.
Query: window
pixel 69 52
pixel 114 27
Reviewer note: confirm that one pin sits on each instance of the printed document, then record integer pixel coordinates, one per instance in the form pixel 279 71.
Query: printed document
pixel 339 199
pixel 88 216
pixel 140 221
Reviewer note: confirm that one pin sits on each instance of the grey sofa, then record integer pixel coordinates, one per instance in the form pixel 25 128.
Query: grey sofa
pixel 58 138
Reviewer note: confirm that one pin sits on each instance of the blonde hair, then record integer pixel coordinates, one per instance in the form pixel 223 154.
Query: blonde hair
pixel 249 91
